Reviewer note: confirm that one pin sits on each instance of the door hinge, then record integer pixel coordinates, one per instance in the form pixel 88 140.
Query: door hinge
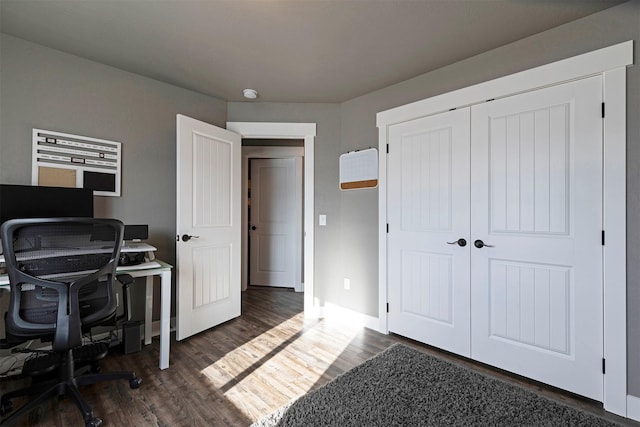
pixel 603 110
pixel 387 227
pixel 602 237
pixel 387 307
pixel 387 148
pixel 603 366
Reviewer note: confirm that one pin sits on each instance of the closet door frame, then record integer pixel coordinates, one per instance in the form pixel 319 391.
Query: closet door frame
pixel 611 63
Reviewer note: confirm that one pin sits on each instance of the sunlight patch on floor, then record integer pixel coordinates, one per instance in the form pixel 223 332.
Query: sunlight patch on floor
pixel 288 359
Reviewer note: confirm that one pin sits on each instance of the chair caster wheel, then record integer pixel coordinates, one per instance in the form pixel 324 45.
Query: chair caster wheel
pixel 5 408
pixel 135 383
pixel 96 422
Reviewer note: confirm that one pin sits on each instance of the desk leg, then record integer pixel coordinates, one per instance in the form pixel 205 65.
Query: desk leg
pixel 165 319
pixel 148 312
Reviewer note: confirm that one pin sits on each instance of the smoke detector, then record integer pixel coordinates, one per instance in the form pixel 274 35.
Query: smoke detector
pixel 250 93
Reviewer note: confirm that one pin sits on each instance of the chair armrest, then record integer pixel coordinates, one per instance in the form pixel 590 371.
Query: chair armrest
pixel 125 279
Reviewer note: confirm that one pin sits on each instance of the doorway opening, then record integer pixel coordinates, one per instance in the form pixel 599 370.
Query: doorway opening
pixel 290 131
pixel 272 245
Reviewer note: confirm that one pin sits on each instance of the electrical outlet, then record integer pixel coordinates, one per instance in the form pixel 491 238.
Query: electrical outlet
pixel 347 284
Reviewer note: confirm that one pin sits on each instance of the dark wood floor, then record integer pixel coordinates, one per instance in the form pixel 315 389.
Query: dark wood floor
pixel 238 372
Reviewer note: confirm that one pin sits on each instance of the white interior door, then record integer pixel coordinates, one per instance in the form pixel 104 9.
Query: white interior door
pixel 275 215
pixel 428 212
pixel 208 220
pixel 537 200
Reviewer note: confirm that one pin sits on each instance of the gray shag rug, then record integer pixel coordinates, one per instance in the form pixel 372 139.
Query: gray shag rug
pixel 402 386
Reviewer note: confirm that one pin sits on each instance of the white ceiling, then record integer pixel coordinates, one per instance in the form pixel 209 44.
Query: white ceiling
pixel 288 50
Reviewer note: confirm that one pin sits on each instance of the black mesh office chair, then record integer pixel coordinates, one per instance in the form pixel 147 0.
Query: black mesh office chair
pixel 62 274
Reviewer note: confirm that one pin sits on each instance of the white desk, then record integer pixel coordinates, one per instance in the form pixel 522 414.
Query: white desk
pixel 157 268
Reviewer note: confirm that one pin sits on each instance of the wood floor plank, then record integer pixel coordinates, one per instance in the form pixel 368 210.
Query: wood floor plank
pixel 241 371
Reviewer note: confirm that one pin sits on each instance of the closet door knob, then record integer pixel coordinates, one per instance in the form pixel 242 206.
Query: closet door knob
pixel 187 237
pixel 460 242
pixel 480 244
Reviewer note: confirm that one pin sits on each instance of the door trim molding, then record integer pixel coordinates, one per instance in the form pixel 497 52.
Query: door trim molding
pixel 577 67
pixel 609 62
pixel 307 132
pixel 269 152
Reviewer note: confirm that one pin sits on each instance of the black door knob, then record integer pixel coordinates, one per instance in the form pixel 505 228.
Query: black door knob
pixel 460 242
pixel 253 227
pixel 187 237
pixel 480 244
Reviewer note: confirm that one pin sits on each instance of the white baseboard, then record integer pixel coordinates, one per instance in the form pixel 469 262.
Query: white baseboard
pixel 633 407
pixel 346 316
pixel 155 327
pixel 155 330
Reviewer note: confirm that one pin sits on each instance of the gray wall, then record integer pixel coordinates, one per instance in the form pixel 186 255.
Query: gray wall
pixel 45 88
pixel 359 211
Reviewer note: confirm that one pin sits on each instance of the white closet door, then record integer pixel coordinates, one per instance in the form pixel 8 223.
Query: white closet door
pixel 428 212
pixel 536 193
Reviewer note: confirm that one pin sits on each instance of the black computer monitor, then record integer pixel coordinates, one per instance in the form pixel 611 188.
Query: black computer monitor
pixel 26 201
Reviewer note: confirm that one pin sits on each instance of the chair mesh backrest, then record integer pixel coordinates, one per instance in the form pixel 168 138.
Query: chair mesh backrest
pixel 61 273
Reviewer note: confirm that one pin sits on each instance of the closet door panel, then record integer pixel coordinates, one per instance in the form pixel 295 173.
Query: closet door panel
pixel 428 211
pixel 536 201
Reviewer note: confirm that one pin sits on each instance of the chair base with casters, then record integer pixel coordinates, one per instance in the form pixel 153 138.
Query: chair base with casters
pixel 67 384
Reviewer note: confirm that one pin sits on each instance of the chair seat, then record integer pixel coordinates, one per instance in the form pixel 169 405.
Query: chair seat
pixel 90 352
pixel 47 362
pixel 41 365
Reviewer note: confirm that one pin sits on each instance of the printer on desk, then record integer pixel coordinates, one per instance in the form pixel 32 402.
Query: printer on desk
pixel 134 251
